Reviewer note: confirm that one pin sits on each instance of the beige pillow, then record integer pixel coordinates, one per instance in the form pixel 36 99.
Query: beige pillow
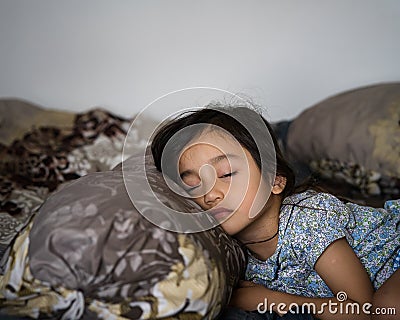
pixel 17 117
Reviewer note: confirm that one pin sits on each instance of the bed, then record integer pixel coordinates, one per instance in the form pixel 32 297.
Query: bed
pixel 73 246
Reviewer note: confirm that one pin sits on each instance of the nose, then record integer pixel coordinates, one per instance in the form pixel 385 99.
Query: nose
pixel 210 182
pixel 214 196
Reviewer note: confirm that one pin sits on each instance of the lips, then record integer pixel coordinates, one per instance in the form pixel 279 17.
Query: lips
pixel 220 213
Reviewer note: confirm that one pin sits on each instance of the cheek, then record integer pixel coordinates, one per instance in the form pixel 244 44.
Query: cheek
pixel 199 201
pixel 240 192
pixel 248 199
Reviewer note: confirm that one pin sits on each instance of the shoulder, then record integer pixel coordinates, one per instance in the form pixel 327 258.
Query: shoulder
pixel 313 202
pixel 314 220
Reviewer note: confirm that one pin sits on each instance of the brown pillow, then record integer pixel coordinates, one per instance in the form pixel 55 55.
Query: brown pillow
pixel 354 135
pixel 359 126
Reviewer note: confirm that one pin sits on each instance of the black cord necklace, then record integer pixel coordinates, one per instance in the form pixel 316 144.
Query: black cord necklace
pixel 265 240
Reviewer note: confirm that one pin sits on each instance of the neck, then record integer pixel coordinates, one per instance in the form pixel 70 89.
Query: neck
pixel 261 236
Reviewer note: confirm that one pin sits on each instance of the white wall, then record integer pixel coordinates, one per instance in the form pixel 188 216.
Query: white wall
pixel 287 55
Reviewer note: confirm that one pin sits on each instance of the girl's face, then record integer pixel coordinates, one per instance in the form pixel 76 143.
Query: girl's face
pixel 222 176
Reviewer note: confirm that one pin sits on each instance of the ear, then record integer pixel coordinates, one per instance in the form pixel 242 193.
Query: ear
pixel 279 185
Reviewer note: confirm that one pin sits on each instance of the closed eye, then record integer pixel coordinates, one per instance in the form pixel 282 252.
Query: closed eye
pixel 227 175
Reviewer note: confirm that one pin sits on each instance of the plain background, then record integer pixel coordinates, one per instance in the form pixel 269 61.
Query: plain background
pixel 123 54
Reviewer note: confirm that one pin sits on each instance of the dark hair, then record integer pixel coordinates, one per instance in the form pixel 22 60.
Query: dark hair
pixel 224 117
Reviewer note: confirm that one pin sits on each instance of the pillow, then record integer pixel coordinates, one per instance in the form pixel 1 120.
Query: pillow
pixel 89 253
pixel 18 117
pixel 354 135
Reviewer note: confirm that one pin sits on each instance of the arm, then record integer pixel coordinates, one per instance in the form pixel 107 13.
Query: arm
pixel 341 270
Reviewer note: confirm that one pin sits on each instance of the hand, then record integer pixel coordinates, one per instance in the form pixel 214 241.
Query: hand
pixel 248 295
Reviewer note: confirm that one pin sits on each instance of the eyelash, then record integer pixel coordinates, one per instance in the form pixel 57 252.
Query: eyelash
pixel 227 175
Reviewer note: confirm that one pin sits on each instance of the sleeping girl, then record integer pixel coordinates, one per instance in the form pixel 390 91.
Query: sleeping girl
pixel 306 248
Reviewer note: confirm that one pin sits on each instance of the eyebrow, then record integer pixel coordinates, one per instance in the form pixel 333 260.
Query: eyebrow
pixel 212 161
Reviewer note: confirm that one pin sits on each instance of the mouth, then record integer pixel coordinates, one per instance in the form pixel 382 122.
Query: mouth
pixel 220 213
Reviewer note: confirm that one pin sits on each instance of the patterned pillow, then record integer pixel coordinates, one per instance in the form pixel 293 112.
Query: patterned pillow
pixel 93 255
pixel 353 136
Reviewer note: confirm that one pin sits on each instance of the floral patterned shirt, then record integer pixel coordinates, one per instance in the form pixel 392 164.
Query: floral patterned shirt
pixel 309 223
